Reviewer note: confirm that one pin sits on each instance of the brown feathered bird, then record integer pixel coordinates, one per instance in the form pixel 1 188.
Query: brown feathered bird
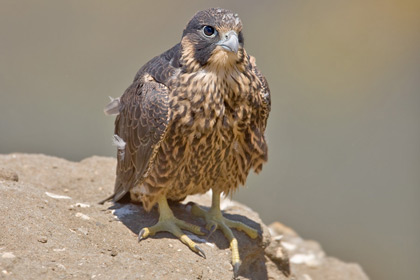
pixel 193 120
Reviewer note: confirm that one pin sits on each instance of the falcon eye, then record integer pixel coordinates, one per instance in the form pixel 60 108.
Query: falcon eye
pixel 209 31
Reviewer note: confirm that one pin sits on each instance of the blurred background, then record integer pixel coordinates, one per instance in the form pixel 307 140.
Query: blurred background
pixel 344 131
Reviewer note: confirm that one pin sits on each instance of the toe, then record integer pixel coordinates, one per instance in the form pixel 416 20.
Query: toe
pixel 190 227
pixel 243 227
pixel 194 247
pixel 235 251
pixel 197 211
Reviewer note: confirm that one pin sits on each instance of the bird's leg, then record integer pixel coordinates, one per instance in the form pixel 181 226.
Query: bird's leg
pixel 215 220
pixel 168 222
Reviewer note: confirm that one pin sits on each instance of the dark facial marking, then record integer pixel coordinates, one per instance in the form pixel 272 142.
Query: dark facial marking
pixel 202 31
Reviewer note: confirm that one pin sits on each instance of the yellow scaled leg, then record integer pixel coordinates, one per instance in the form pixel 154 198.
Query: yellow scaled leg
pixel 215 220
pixel 168 222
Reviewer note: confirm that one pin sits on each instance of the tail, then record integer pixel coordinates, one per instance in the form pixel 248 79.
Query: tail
pixel 116 196
pixel 111 197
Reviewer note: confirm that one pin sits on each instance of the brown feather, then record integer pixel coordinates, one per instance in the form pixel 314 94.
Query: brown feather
pixel 191 126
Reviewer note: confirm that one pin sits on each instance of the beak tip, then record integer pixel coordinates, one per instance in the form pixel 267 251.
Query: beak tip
pixel 230 49
pixel 231 42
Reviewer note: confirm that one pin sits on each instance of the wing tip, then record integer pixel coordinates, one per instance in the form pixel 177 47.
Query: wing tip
pixel 111 197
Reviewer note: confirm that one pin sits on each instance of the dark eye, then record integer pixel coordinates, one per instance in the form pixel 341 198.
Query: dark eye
pixel 209 31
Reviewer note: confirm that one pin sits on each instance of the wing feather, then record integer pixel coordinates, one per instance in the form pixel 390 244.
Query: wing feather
pixel 256 138
pixel 142 120
pixel 141 123
pixel 264 92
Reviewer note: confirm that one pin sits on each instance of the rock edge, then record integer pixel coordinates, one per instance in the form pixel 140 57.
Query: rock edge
pixel 53 228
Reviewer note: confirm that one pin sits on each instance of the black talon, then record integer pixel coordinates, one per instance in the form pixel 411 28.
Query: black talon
pixel 203 230
pixel 236 267
pixel 190 204
pixel 212 230
pixel 200 252
pixel 140 235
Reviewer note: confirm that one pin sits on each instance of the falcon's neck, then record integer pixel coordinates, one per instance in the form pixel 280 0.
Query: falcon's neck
pixel 221 61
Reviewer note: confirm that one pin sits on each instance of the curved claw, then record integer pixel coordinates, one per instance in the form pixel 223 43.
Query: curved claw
pixel 190 204
pixel 236 267
pixel 200 251
pixel 212 230
pixel 142 234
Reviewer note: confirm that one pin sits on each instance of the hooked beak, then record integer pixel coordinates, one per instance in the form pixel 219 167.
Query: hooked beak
pixel 230 42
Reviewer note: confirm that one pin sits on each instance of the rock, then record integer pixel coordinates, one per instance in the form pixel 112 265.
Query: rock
pixel 42 239
pixel 8 175
pixel 8 255
pixel 100 241
pixel 307 259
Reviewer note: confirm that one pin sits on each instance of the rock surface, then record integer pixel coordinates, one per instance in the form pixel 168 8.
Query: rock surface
pixel 51 227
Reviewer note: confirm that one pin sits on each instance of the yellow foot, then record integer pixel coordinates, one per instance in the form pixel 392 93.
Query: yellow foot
pixel 215 220
pixel 168 222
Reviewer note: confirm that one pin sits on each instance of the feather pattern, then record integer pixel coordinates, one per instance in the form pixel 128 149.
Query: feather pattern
pixel 193 119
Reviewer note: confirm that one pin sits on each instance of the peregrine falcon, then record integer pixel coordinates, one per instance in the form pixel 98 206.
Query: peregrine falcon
pixel 193 120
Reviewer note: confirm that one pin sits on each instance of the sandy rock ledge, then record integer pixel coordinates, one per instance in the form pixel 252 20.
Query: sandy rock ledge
pixel 51 227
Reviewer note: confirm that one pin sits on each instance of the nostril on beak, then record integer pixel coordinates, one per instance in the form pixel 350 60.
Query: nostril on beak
pixel 229 41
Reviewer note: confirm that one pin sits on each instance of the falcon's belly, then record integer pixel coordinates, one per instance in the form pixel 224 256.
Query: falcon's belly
pixel 205 145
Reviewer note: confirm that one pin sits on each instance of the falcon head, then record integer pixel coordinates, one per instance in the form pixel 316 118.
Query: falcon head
pixel 213 37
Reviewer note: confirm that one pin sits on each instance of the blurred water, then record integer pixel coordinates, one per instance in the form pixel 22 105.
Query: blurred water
pixel 344 133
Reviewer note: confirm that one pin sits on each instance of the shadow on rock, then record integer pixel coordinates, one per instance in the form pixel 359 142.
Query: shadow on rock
pixel 134 217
